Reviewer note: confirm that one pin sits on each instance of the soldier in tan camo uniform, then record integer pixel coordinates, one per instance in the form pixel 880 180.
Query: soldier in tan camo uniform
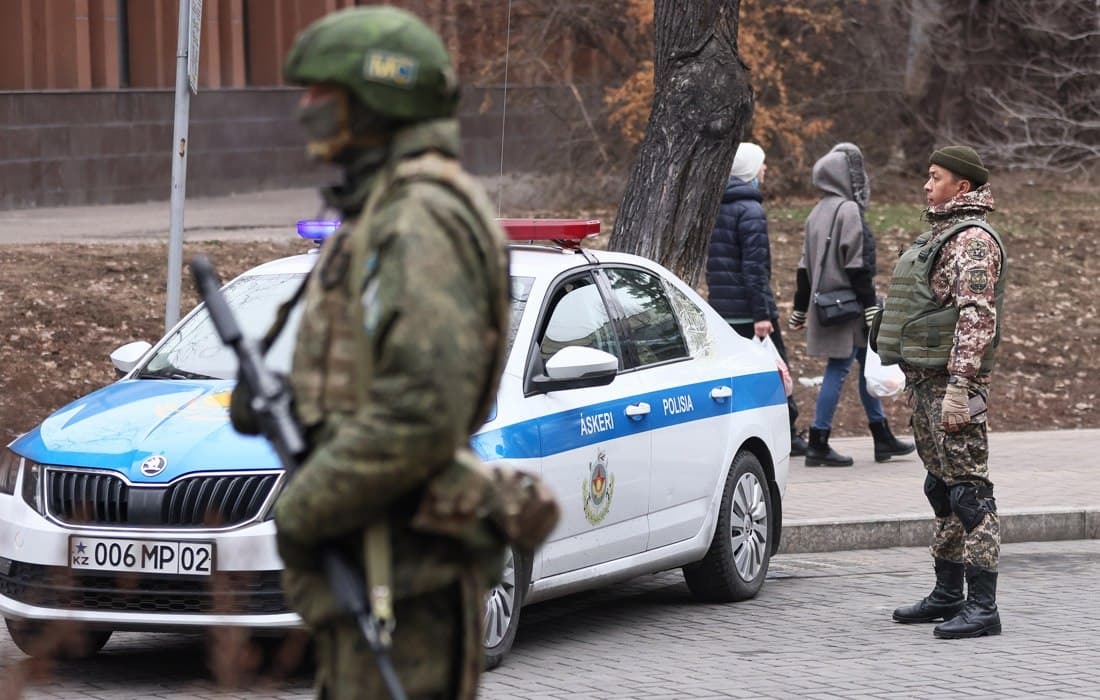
pixel 942 322
pixel 397 357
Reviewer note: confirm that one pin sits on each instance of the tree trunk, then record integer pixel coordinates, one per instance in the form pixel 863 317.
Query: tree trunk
pixel 701 103
pixel 934 28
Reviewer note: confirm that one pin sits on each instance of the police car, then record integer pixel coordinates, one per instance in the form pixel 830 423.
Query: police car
pixel 663 434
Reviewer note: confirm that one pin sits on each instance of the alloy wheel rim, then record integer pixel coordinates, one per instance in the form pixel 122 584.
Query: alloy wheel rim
pixel 500 604
pixel 749 526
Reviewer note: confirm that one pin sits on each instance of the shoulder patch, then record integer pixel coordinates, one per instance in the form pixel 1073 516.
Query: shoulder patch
pixel 977 250
pixel 977 279
pixel 390 68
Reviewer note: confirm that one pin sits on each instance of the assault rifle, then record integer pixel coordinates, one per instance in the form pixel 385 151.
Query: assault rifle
pixel 271 406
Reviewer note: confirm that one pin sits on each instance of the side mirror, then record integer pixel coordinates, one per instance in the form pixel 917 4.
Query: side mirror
pixel 126 357
pixel 577 368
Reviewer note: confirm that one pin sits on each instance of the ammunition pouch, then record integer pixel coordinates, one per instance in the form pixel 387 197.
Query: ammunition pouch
pixel 487 506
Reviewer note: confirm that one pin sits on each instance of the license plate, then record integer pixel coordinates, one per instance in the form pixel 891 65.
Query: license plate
pixel 142 556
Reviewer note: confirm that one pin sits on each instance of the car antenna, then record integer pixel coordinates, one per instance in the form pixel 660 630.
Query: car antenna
pixel 504 106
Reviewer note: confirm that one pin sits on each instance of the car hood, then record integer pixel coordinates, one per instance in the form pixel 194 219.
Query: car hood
pixel 121 425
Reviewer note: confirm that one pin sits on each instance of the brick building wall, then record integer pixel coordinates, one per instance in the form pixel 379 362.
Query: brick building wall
pixel 94 147
pixel 86 98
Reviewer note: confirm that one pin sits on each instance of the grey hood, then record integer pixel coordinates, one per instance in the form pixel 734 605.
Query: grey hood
pixel 841 172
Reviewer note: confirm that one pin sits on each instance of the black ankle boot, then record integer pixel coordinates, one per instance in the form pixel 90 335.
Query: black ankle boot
pixel 886 445
pixel 979 616
pixel 943 603
pixel 798 443
pixel 819 454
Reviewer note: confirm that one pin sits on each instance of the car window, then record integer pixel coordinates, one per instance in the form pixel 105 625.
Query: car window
pixel 651 324
pixel 692 320
pixel 520 290
pixel 195 348
pixel 577 316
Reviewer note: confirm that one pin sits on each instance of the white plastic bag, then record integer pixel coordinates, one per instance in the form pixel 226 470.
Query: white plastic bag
pixel 883 381
pixel 784 371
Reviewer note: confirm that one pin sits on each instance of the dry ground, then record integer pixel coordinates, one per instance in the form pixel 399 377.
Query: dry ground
pixel 63 308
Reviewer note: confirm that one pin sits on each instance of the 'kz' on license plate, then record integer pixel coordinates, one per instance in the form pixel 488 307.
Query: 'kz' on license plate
pixel 142 556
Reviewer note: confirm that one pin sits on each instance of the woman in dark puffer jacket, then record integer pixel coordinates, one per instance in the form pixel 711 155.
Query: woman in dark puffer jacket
pixel 739 263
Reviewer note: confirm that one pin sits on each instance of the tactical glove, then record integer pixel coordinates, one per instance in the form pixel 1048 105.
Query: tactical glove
pixel 955 411
pixel 797 320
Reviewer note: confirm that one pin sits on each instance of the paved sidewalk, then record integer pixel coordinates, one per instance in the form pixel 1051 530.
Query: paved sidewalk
pixel 1047 485
pixel 255 215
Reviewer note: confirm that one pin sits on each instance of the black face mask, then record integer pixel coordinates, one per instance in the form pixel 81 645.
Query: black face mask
pixel 323 120
pixel 338 128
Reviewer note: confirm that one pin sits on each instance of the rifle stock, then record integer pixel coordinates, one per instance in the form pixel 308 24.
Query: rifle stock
pixel 271 405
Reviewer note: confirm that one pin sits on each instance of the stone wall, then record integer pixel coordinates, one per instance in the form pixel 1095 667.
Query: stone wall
pixel 67 148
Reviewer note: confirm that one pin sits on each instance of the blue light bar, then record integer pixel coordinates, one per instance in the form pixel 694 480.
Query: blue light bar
pixel 317 230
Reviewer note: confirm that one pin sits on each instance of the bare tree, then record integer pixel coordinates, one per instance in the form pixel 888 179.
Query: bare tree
pixel 701 103
pixel 1017 79
pixel 1039 104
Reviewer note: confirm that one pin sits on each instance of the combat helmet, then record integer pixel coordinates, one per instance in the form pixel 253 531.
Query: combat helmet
pixel 385 57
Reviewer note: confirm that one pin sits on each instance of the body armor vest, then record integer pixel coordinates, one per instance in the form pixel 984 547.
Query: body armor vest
pixel 915 328
pixel 331 369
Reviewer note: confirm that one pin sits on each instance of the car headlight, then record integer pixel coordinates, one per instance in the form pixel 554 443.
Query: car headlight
pixel 32 473
pixel 9 471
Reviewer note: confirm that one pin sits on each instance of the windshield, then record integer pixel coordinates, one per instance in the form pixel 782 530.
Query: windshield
pixel 194 350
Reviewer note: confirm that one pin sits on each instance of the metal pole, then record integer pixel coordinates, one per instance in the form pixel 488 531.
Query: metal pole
pixel 179 170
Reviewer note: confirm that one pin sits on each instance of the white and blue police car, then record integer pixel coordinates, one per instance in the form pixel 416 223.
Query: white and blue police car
pixel 663 434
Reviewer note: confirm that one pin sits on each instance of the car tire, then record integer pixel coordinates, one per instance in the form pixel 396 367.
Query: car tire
pixel 736 563
pixel 56 640
pixel 502 608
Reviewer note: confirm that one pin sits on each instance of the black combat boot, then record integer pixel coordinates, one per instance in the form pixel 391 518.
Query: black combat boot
pixel 819 454
pixel 944 602
pixel 979 616
pixel 798 443
pixel 886 445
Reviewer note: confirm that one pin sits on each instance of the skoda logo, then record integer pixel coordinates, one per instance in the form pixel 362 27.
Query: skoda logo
pixel 153 465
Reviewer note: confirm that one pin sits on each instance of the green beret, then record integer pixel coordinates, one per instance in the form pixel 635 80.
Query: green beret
pixel 963 161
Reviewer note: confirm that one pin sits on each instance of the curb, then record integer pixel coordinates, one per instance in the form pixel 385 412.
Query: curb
pixel 880 532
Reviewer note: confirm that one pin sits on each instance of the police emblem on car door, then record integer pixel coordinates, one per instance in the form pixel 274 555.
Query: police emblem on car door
pixel 598 489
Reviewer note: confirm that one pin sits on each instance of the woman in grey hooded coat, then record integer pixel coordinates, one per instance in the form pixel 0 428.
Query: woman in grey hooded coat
pixel 839 253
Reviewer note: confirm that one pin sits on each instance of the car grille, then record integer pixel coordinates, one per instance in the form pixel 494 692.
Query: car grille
pixel 226 592
pixel 211 500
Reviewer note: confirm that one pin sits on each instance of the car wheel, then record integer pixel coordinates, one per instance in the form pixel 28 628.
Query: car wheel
pixel 56 640
pixel 502 608
pixel 735 565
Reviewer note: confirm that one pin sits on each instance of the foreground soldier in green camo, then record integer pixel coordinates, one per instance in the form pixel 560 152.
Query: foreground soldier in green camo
pixel 942 323
pixel 396 361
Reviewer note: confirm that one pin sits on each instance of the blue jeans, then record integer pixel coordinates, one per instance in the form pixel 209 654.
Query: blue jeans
pixel 836 371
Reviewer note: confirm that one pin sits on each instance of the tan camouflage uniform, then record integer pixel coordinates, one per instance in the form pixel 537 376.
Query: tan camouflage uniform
pixel 964 276
pixel 423 267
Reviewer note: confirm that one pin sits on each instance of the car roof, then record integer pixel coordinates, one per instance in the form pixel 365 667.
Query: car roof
pixel 526 261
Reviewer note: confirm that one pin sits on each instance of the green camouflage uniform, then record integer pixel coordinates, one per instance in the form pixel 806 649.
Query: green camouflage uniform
pixel 426 266
pixel 397 361
pixel 964 276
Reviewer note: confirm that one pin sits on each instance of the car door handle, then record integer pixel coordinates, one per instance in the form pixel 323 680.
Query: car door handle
pixel 721 393
pixel 637 411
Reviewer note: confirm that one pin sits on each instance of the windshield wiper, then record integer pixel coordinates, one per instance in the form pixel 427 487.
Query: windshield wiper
pixel 171 373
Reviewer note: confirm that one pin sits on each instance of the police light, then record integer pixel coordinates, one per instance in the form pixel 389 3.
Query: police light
pixel 317 230
pixel 564 231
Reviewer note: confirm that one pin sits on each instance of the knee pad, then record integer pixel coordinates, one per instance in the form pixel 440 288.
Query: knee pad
pixel 935 490
pixel 971 502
